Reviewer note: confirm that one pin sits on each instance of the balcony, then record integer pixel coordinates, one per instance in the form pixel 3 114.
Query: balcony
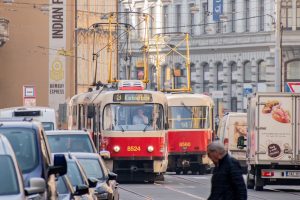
pixel 3 31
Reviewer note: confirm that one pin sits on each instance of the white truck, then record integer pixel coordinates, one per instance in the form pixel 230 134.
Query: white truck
pixel 45 115
pixel 231 127
pixel 273 153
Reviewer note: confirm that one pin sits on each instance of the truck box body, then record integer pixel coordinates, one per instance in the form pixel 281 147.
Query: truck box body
pixel 273 138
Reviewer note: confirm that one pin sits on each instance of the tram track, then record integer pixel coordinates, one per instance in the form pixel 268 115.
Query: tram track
pixel 249 195
pixel 135 193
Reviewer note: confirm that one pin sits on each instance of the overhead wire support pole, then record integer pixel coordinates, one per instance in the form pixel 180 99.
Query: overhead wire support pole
pixel 109 49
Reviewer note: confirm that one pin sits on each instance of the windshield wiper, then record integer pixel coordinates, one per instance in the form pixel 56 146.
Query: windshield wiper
pixel 186 107
pixel 123 130
pixel 147 125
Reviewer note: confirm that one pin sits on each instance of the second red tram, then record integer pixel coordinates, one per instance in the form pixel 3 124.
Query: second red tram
pixel 190 118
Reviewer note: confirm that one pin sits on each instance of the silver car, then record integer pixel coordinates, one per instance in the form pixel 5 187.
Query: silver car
pixel 11 179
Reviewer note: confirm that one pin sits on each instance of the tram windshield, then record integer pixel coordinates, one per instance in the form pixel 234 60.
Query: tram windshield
pixel 189 117
pixel 120 117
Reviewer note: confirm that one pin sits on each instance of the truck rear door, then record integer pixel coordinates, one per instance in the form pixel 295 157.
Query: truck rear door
pixel 298 128
pixel 275 128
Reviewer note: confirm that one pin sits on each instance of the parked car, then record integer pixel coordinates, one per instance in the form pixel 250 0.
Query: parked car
pixel 70 141
pixel 32 151
pixel 11 180
pixel 94 167
pixel 82 186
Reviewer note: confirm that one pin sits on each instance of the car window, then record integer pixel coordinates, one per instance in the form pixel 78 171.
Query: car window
pixel 92 168
pixel 74 174
pixel 24 143
pixel 8 176
pixel 48 126
pixel 61 186
pixel 70 143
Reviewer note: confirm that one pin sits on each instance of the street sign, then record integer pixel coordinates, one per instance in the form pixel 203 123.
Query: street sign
pixel 29 95
pixel 293 87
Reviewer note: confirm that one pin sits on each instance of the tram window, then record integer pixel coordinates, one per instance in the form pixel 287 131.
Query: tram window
pixel 189 117
pixel 118 117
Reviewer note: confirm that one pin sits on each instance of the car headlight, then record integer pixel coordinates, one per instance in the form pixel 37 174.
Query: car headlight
pixel 150 148
pixel 117 149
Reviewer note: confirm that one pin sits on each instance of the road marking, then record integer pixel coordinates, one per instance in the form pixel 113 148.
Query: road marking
pixel 182 192
pixel 199 177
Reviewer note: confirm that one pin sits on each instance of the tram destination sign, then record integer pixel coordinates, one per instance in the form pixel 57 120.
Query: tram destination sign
pixel 132 97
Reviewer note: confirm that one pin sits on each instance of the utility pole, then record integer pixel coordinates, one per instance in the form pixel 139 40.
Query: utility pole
pixel 278 56
pixel 76 48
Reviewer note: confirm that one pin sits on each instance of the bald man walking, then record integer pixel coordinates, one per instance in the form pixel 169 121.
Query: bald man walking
pixel 227 182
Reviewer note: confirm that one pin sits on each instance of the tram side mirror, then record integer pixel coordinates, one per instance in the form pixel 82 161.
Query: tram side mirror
pixel 90 111
pixel 241 142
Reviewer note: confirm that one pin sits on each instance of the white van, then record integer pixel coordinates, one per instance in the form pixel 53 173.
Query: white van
pixel 231 127
pixel 43 114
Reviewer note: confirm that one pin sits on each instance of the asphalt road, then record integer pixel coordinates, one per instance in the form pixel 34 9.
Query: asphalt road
pixel 193 187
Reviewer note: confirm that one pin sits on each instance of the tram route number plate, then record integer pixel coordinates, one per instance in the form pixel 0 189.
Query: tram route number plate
pixel 133 148
pixel 294 174
pixel 132 97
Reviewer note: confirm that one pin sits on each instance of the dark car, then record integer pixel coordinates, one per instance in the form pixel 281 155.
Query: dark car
pixel 33 154
pixel 75 184
pixel 94 167
pixel 70 141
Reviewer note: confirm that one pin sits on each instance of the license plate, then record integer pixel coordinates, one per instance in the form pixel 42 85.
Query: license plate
pixel 294 174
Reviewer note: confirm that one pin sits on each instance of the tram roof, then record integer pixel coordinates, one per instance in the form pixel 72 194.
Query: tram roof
pixel 189 99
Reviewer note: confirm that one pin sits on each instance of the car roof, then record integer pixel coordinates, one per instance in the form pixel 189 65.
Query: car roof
pixel 23 124
pixel 67 132
pixel 85 155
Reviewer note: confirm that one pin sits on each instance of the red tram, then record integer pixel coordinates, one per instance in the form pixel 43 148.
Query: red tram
pixel 131 123
pixel 190 118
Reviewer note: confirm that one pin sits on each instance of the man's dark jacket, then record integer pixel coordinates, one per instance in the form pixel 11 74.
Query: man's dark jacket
pixel 227 181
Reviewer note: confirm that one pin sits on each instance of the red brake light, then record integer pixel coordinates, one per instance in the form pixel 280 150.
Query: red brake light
pixel 267 174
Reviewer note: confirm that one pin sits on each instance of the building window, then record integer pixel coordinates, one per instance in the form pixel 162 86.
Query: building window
pixel 191 19
pixel 287 14
pixel 292 70
pixel 247 16
pixel 178 18
pixel 233 16
pixel 219 76
pixel 139 23
pixel 205 16
pixel 262 67
pixel 165 19
pixel 152 21
pixel 247 71
pixel 233 104
pixel 219 27
pixel 261 13
pixel 233 72
pixel 298 15
pixel 205 77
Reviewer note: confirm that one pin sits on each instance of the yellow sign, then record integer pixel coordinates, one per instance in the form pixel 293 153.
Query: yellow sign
pixel 133 148
pixel 185 144
pixel 57 72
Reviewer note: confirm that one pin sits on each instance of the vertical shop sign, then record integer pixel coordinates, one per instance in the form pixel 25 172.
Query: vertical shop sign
pixel 57 44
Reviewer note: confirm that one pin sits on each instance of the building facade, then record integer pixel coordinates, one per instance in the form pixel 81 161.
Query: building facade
pixel 50 49
pixel 232 53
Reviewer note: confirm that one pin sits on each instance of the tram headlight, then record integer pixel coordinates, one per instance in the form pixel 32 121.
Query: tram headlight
pixel 150 148
pixel 117 149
